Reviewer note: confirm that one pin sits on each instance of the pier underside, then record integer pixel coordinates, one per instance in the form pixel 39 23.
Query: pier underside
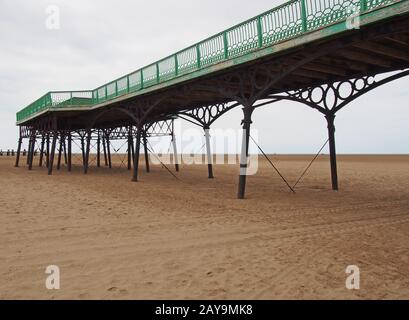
pixel 325 69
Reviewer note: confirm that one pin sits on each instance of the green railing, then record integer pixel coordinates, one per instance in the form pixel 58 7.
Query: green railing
pixel 281 23
pixel 54 100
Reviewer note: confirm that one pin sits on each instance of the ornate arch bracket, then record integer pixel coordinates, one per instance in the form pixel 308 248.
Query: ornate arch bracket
pixel 205 116
pixel 332 97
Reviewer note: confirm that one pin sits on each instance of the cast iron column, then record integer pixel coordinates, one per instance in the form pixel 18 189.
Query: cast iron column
pixel 332 151
pixel 99 149
pixel 247 111
pixel 20 141
pixel 137 151
pixel 69 147
pixel 42 151
pixel 83 150
pixel 175 152
pixel 108 151
pixel 209 152
pixel 145 147
pixel 31 150
pixel 87 151
pixel 60 152
pixel 129 149
pixel 52 153
pixel 104 149
pixel 64 146
pixel 47 158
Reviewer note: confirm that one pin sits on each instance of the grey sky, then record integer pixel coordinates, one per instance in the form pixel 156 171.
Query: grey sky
pixel 101 40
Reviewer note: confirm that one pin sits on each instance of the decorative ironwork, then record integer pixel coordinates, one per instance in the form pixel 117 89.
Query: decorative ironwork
pixel 332 97
pixel 86 140
pixel 205 116
pixel 159 128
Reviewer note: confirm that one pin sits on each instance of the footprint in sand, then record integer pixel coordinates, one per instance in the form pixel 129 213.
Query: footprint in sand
pixel 113 289
pixel 116 289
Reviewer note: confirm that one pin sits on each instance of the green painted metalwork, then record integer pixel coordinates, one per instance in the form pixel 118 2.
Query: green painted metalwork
pixel 304 16
pixel 284 22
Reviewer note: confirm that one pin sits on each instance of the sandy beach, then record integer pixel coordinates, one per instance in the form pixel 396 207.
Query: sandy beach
pixel 162 238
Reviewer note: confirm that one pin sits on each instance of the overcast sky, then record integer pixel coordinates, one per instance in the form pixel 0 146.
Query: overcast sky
pixel 99 41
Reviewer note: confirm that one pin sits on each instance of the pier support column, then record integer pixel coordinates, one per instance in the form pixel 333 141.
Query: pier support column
pixel 129 148
pixel 28 150
pixel 137 151
pixel 247 111
pixel 69 151
pixel 209 156
pixel 40 163
pixel 31 150
pixel 175 152
pixel 83 150
pixel 332 150
pixel 64 146
pixel 87 151
pixel 99 149
pixel 145 147
pixel 132 151
pixel 108 151
pixel 52 153
pixel 104 148
pixel 47 158
pixel 20 141
pixel 60 152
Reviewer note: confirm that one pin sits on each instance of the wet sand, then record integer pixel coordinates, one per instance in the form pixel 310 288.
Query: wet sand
pixel 162 238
